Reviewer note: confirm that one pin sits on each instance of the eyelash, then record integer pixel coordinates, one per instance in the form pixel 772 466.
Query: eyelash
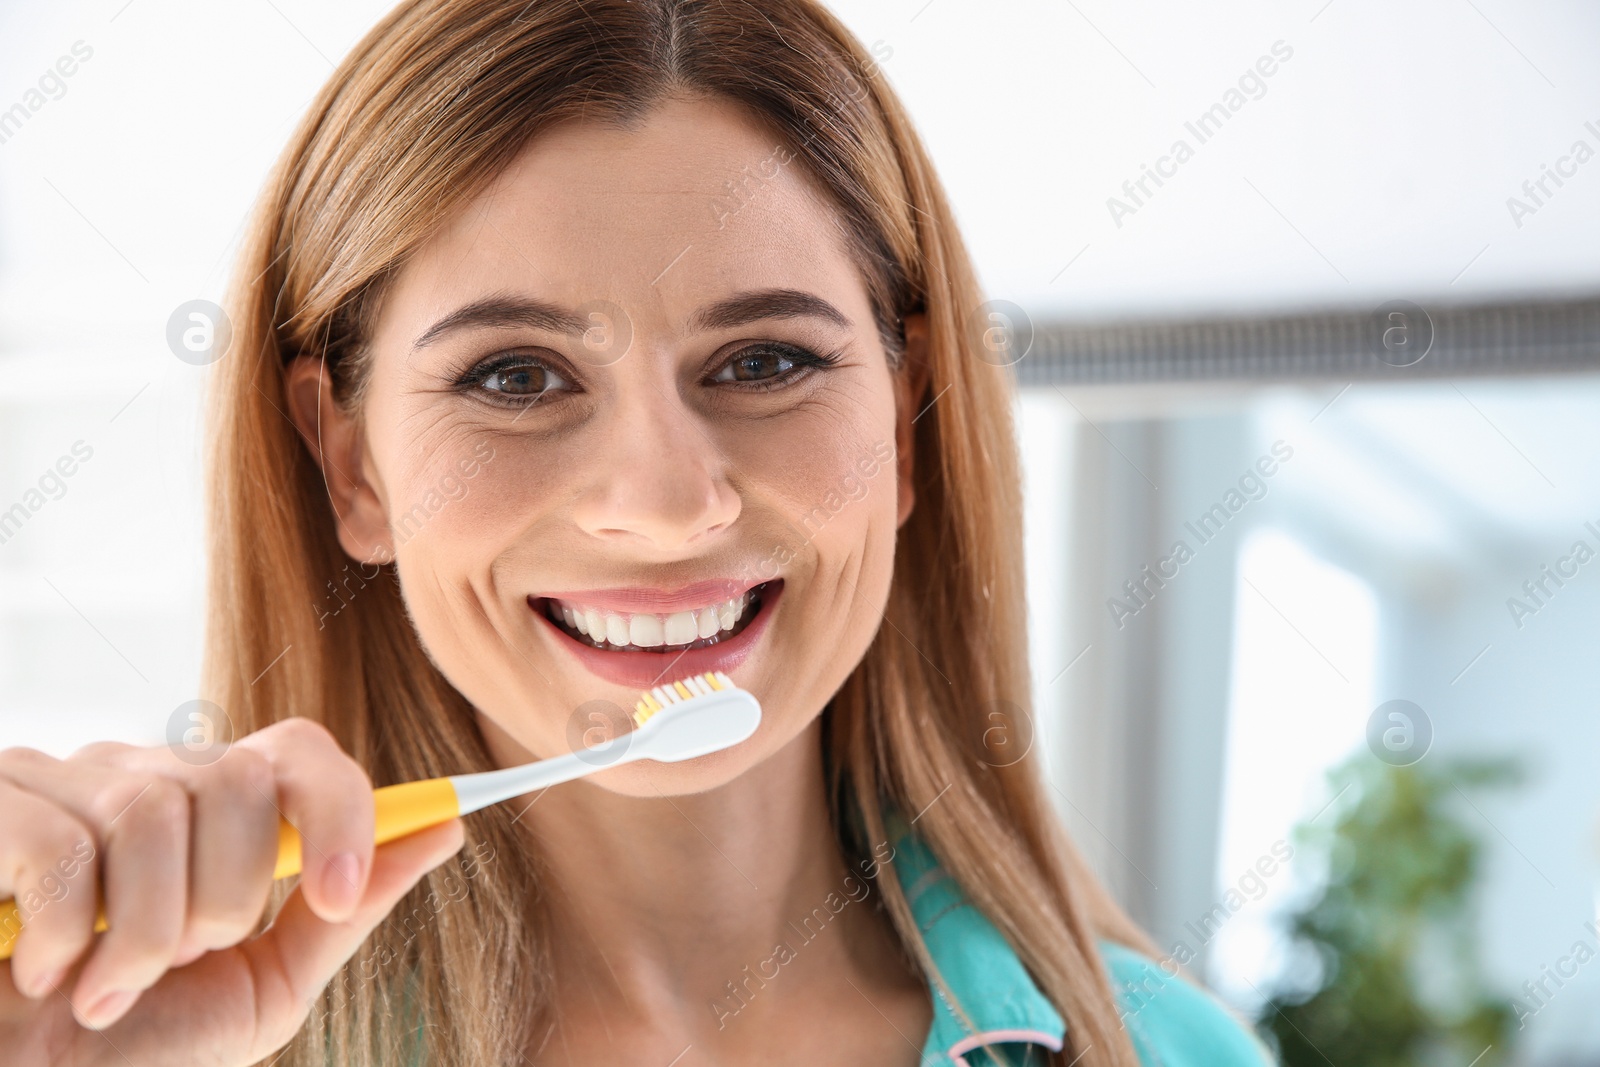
pixel 474 376
pixel 806 359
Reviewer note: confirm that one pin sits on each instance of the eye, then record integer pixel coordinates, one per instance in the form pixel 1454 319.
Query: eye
pixel 770 365
pixel 516 380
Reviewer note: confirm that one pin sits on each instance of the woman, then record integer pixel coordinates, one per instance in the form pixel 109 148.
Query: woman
pixel 580 344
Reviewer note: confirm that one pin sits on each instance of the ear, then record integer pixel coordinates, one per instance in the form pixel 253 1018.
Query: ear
pixel 910 382
pixel 339 447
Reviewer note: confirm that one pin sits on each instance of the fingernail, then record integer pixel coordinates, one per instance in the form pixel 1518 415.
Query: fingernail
pixel 48 981
pixel 340 882
pixel 109 1007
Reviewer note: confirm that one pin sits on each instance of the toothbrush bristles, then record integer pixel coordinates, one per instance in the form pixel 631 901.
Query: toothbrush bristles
pixel 688 688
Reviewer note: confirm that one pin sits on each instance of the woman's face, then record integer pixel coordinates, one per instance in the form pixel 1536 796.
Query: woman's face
pixel 634 389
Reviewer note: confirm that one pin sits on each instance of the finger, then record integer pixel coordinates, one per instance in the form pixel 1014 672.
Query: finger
pixel 145 870
pixel 234 834
pixel 48 865
pixel 327 797
pixel 140 813
pixel 233 849
pixel 308 951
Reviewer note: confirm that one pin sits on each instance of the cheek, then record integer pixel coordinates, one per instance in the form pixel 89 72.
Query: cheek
pixel 836 589
pixel 465 512
pixel 822 463
pixel 835 540
pixel 848 530
pixel 466 499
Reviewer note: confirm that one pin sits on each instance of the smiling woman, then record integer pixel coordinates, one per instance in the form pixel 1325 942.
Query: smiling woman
pixel 504 230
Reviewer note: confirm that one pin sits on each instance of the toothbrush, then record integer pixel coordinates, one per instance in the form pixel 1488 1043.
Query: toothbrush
pixel 691 717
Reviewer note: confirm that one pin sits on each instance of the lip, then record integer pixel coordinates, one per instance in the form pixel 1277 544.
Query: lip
pixel 644 670
pixel 640 600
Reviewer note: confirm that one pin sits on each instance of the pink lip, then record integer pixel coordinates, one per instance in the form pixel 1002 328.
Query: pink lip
pixel 642 600
pixel 644 670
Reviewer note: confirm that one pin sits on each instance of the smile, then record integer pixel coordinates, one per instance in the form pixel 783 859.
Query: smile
pixel 713 627
pixel 677 631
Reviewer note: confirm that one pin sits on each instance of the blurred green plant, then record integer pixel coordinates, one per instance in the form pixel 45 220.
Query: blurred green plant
pixel 1400 981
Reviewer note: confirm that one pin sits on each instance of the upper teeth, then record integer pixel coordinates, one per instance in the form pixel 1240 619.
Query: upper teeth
pixel 652 631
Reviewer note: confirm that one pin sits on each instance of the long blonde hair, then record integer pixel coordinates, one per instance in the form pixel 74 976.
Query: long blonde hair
pixel 420 116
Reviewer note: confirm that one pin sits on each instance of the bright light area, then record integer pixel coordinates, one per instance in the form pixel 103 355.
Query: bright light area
pixel 1305 645
pixel 1376 160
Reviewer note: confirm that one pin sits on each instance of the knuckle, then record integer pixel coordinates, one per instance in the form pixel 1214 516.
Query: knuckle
pixel 137 798
pixel 23 759
pixel 100 752
pixel 303 731
pixel 108 803
pixel 248 771
pixel 165 801
pixel 47 832
pixel 351 768
pixel 77 838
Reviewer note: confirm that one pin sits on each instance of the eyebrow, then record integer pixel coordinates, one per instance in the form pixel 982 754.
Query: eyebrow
pixel 767 304
pixel 506 312
pixel 501 312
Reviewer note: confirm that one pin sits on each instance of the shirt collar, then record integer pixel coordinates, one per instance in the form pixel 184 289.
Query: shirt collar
pixel 979 967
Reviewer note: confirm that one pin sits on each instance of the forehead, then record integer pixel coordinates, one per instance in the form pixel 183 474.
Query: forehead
pixel 697 201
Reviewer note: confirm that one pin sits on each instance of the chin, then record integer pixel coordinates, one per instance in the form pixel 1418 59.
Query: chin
pixel 651 779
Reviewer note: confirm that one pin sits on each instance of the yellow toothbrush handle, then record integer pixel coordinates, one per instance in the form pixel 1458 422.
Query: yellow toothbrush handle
pixel 398 809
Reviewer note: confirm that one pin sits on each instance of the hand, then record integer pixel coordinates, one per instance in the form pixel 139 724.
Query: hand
pixel 185 855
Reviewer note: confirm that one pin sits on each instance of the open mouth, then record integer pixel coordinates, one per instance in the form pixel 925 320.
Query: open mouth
pixel 667 633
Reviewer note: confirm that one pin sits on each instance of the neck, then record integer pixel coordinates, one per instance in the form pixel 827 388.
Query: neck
pixel 661 902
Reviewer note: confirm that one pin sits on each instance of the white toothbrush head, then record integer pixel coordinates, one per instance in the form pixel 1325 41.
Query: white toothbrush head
pixel 692 717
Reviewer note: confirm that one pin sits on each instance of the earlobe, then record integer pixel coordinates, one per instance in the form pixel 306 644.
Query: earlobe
pixel 335 443
pixel 911 384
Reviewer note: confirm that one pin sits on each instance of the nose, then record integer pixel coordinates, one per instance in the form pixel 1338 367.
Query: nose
pixel 660 478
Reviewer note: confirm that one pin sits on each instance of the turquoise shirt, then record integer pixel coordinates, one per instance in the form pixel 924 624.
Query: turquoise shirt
pixel 1171 1022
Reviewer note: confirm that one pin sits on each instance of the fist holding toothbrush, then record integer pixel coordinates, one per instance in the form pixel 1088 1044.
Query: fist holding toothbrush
pixel 181 857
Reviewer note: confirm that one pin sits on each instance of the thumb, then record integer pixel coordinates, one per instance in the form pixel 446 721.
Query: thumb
pixel 307 951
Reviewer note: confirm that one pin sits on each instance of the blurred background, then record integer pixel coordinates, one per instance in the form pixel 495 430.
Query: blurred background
pixel 1304 303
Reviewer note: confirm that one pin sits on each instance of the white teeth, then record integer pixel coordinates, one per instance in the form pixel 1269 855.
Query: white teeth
pixel 680 628
pixel 707 622
pixel 652 630
pixel 645 631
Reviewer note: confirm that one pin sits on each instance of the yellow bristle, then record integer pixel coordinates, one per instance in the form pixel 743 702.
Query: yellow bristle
pixel 650 702
pixel 645 708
